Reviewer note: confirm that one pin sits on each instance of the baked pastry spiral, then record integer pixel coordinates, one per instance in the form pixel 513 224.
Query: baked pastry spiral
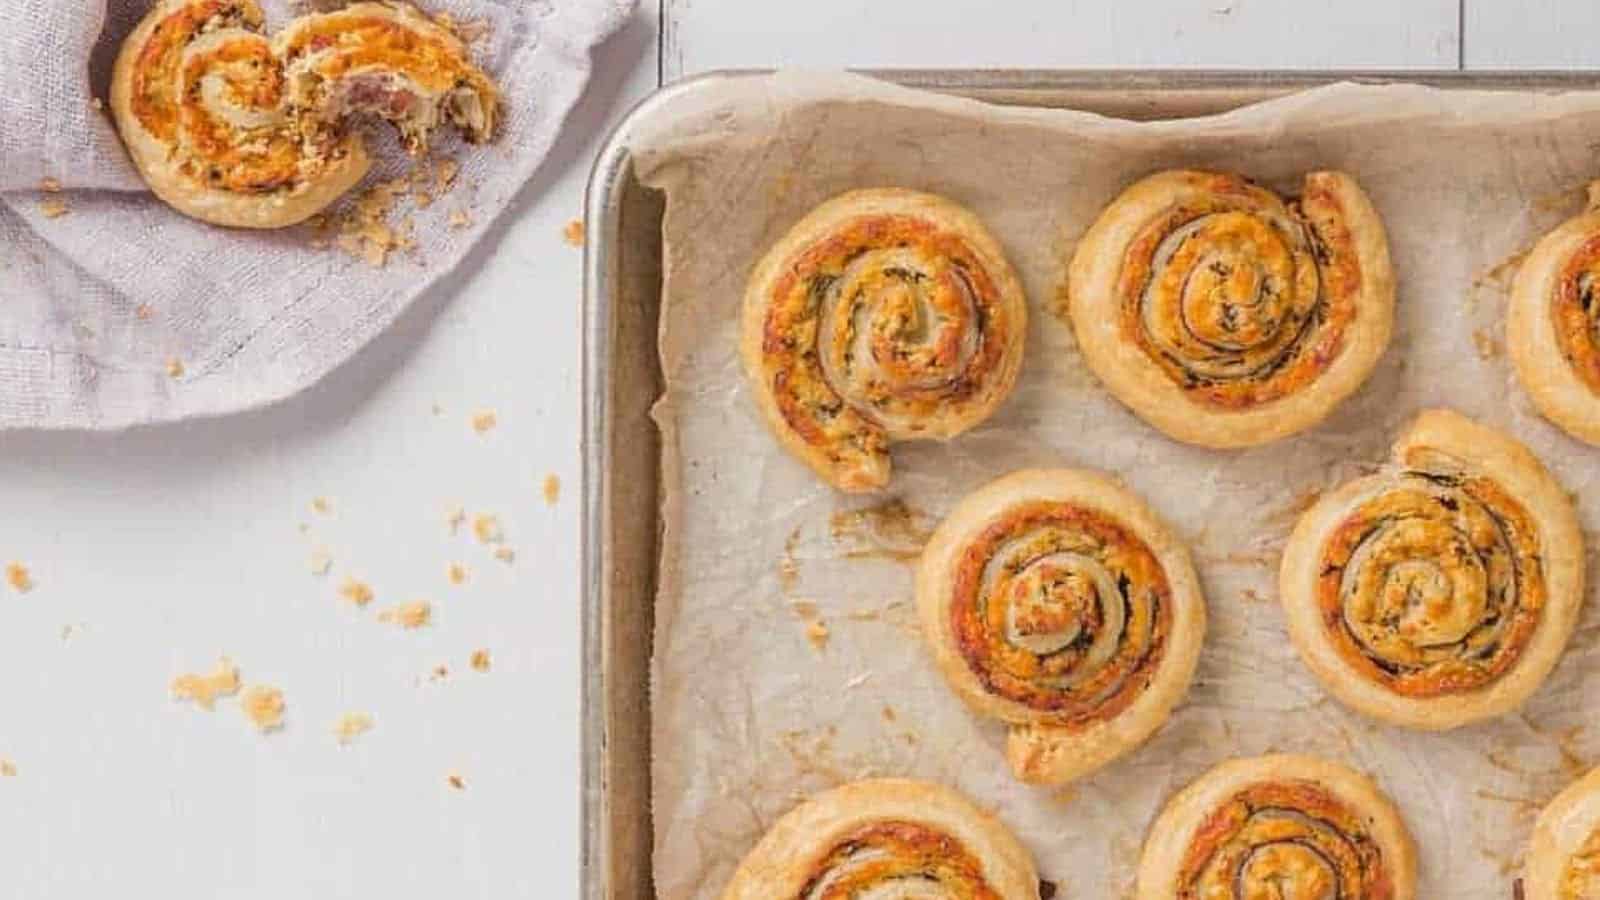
pixel 1553 323
pixel 1278 827
pixel 882 315
pixel 1056 601
pixel 888 839
pixel 234 128
pixel 1564 856
pixel 1442 589
pixel 1223 315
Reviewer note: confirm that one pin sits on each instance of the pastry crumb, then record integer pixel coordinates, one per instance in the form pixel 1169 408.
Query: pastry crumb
pixel 351 726
pixel 439 672
pixel 18 576
pixel 53 207
pixel 321 561
pixel 505 554
pixel 552 489
pixel 414 614
pixel 357 592
pixel 573 233
pixel 457 573
pixel 487 528
pixel 455 780
pixel 437 409
pixel 458 218
pixel 817 634
pixel 480 660
pixel 143 312
pixel 50 185
pixel 321 505
pixel 174 367
pixel 8 769
pixel 263 705
pixel 484 420
pixel 444 174
pixel 205 689
pixel 97 103
pixel 455 518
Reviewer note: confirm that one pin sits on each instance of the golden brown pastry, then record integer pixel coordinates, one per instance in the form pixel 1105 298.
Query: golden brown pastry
pixel 1056 601
pixel 882 315
pixel 1564 857
pixel 1278 827
pixel 1226 317
pixel 887 839
pixel 1553 324
pixel 231 128
pixel 1442 589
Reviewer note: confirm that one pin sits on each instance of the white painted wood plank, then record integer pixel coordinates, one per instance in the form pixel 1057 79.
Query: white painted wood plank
pixel 1530 34
pixel 712 34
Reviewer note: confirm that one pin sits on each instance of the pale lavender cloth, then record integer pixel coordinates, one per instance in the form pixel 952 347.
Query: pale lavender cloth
pixel 253 316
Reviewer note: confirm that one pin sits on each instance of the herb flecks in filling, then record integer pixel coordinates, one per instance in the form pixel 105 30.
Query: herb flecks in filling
pixel 873 329
pixel 1575 312
pixel 1062 609
pixel 884 855
pixel 1433 585
pixel 1239 298
pixel 1284 839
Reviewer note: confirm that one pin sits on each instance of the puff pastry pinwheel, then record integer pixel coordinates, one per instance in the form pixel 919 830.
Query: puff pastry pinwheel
pixel 1223 315
pixel 1278 826
pixel 1442 589
pixel 1553 324
pixel 888 839
pixel 1056 601
pixel 1564 857
pixel 882 315
pixel 234 128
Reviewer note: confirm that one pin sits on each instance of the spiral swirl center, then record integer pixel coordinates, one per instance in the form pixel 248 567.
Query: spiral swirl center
pixel 1433 585
pixel 898 861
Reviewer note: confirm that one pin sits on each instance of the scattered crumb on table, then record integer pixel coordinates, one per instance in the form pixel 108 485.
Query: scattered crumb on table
pixel 414 614
pixel 457 573
pixel 455 780
pixel 263 705
pixel 50 185
pixel 174 367
pixel 351 725
pixel 487 528
pixel 459 218
pixel 552 488
pixel 505 554
pixel 455 518
pixel 321 505
pixel 53 207
pixel 205 689
pixel 18 576
pixel 817 634
pixel 439 672
pixel 573 233
pixel 8 769
pixel 357 592
pixel 480 660
pixel 321 561
pixel 97 103
pixel 484 420
pixel 143 312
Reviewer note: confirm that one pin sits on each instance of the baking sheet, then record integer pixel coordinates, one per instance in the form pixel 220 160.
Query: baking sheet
pixel 750 713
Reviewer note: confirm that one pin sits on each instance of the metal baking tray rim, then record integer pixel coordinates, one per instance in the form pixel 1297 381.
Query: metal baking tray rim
pixel 1134 93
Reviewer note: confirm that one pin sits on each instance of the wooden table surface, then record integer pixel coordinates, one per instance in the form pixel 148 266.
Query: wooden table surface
pixel 156 551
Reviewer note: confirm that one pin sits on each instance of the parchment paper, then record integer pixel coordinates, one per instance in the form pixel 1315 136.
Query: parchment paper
pixel 754 709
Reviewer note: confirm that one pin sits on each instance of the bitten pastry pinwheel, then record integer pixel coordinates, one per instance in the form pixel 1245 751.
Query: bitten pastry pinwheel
pixel 234 128
pixel 1056 601
pixel 1442 589
pixel 1564 857
pixel 1553 324
pixel 882 315
pixel 1279 827
pixel 890 839
pixel 1226 317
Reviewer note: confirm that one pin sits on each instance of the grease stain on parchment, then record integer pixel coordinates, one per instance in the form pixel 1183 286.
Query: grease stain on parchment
pixel 890 530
